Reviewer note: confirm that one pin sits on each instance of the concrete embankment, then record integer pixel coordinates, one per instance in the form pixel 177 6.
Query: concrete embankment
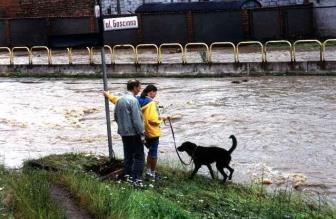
pixel 173 70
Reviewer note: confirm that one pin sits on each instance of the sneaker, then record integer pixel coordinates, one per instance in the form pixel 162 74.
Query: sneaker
pixel 150 175
pixel 153 176
pixel 128 178
pixel 157 176
pixel 138 183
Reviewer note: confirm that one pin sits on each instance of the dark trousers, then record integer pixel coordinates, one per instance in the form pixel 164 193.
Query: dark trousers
pixel 134 157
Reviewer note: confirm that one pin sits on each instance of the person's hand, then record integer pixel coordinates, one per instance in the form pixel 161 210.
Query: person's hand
pixel 143 139
pixel 164 117
pixel 106 93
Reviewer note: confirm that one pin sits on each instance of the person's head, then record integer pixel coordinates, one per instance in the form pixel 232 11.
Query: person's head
pixel 134 86
pixel 149 91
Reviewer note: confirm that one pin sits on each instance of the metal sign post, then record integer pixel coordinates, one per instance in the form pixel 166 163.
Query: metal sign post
pixel 99 16
pixel 128 22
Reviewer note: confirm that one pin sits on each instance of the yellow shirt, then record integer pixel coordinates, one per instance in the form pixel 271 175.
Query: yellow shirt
pixel 151 120
pixel 151 117
pixel 113 98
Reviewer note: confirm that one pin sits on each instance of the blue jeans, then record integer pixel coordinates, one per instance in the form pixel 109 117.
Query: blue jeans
pixel 152 144
pixel 134 157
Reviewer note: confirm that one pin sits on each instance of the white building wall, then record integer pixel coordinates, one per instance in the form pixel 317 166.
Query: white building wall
pixel 129 6
pixel 274 3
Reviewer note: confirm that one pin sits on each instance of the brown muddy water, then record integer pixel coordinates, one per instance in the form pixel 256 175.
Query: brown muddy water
pixel 285 126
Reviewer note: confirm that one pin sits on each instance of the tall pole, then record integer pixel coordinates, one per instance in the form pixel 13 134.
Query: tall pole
pixel 103 64
pixel 118 7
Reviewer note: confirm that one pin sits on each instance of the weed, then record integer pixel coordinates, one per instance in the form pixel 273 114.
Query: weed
pixel 204 55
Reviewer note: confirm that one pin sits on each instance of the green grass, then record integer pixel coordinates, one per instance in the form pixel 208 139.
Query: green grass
pixel 233 200
pixel 27 195
pixel 118 200
pixel 174 196
pixel 4 205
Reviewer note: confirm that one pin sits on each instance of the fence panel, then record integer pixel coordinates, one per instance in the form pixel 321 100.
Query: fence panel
pixel 290 22
pixel 218 27
pixel 122 37
pixel 325 22
pixel 34 30
pixel 164 28
pixel 67 26
pixel 3 39
pixel 299 23
pixel 266 24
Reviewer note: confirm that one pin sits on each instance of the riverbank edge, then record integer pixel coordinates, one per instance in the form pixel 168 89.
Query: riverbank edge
pixel 313 68
pixel 173 196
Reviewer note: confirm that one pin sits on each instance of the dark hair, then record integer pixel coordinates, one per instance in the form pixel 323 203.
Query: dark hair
pixel 148 89
pixel 131 84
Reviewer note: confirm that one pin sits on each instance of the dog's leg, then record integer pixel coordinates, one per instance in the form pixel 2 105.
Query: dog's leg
pixel 231 171
pixel 211 172
pixel 220 168
pixel 197 166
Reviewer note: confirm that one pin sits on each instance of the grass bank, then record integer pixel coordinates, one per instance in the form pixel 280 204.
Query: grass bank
pixel 173 196
pixel 26 194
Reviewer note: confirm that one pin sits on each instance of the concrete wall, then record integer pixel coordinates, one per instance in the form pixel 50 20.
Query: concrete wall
pixel 173 70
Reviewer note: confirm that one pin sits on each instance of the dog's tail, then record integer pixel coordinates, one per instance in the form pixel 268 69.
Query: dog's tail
pixel 234 143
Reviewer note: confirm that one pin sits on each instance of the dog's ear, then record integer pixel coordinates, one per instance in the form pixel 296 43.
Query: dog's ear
pixel 188 143
pixel 185 143
pixel 193 144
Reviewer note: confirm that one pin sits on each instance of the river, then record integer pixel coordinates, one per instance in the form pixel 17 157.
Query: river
pixel 285 126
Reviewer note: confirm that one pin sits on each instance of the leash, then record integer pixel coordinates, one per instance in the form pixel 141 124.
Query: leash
pixel 173 134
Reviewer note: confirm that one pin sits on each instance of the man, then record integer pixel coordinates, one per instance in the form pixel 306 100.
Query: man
pixel 128 116
pixel 152 121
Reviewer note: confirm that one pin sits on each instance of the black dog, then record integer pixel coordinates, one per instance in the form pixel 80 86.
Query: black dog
pixel 208 155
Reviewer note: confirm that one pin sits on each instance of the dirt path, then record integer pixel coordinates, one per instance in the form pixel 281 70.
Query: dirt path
pixel 64 200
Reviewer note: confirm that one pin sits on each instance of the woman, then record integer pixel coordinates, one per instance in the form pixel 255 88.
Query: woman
pixel 152 121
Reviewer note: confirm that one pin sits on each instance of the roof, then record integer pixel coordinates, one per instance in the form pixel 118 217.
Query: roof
pixel 189 6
